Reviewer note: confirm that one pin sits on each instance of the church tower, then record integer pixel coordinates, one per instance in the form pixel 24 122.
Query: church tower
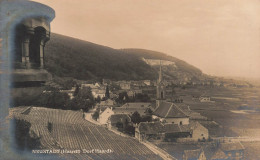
pixel 160 88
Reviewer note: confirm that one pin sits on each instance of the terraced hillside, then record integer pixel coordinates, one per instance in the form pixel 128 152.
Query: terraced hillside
pixel 70 131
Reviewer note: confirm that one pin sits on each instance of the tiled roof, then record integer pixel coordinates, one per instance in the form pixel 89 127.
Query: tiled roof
pixel 169 110
pixel 216 152
pixel 231 146
pixel 173 128
pixel 120 118
pixel 121 110
pixel 107 102
pixel 151 128
pixel 219 154
pixel 158 127
pixel 136 105
pixel 192 154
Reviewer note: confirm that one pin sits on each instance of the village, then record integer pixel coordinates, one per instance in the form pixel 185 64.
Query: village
pixel 152 113
pixel 202 118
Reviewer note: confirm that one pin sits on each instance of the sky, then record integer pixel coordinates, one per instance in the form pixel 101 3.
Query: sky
pixel 220 37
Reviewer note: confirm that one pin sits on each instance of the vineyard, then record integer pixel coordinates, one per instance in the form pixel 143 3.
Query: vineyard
pixel 71 131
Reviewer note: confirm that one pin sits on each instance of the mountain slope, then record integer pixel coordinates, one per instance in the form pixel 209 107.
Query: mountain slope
pixel 70 57
pixel 180 70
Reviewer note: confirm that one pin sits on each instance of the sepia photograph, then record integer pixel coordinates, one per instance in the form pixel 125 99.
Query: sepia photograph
pixel 129 80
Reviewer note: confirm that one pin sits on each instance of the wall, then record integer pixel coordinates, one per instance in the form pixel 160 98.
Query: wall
pixel 198 131
pixel 184 121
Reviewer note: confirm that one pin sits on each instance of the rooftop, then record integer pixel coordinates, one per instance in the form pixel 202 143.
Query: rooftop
pixel 169 110
pixel 192 154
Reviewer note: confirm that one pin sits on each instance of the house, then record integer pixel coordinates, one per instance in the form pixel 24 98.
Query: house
pixel 130 108
pixel 225 151
pixel 234 150
pixel 125 85
pixel 199 132
pixel 136 105
pixel 130 93
pixel 192 114
pixel 99 93
pixel 170 132
pixel 69 92
pixel 173 132
pixel 197 154
pixel 149 131
pixel 147 82
pixel 92 86
pixel 170 113
pixel 104 115
pixel 106 103
pixel 119 121
pixel 167 112
pixel 219 155
pixel 204 99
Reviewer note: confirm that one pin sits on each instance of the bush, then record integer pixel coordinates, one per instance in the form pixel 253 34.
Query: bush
pixel 24 139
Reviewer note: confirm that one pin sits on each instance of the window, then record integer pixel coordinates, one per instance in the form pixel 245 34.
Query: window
pixel 180 122
pixel 19 35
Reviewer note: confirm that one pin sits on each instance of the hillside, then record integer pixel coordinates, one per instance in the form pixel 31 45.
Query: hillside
pixel 178 70
pixel 70 57
pixel 70 131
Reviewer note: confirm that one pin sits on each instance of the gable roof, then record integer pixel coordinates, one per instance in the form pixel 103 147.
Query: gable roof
pixel 106 102
pixel 151 127
pixel 193 154
pixel 196 124
pixel 104 109
pixel 169 110
pixel 175 128
pixel 231 146
pixel 136 105
pixel 119 118
pixel 159 127
pixel 219 154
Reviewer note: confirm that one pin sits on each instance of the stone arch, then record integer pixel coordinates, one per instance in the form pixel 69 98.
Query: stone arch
pixel 36 47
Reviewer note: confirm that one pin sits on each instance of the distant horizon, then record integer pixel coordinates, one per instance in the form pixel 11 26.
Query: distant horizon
pixel 220 38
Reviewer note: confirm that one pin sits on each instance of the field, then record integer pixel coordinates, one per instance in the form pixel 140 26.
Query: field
pixel 70 131
pixel 226 108
pixel 231 120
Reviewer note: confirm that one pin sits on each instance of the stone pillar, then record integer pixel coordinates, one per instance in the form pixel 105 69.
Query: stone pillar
pixel 25 52
pixel 42 45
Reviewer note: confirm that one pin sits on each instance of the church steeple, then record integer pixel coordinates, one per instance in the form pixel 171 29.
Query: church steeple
pixel 160 88
pixel 160 73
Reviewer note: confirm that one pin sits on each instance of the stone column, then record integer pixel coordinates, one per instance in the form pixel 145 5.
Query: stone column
pixel 42 45
pixel 25 52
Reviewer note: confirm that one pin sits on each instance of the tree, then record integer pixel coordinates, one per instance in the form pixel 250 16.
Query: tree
pixel 84 100
pixel 98 99
pixel 107 92
pixel 139 97
pixel 136 118
pixel 148 111
pixel 95 115
pixel 53 99
pixel 76 92
pixel 130 130
pixel 122 98
pixel 24 139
